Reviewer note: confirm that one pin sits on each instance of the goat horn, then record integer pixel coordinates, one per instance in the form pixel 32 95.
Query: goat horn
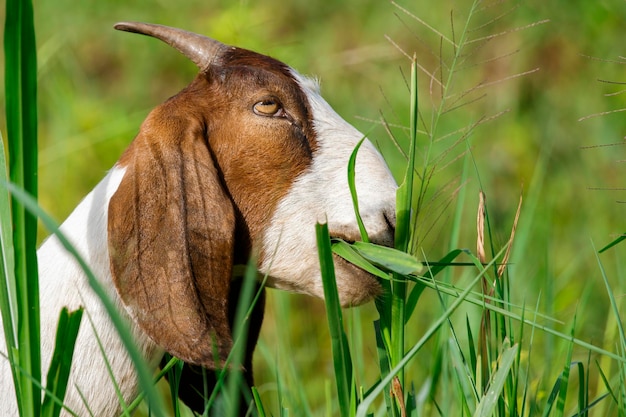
pixel 203 51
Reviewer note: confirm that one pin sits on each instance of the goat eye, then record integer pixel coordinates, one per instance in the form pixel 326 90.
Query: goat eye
pixel 268 108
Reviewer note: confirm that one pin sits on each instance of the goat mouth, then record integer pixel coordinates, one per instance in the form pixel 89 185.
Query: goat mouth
pixel 355 285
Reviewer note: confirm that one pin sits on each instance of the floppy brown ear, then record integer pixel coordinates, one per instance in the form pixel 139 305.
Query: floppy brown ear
pixel 170 230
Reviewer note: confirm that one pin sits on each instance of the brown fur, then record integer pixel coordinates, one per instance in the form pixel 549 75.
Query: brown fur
pixel 171 236
pixel 203 178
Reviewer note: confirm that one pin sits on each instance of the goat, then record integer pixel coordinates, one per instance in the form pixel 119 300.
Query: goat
pixel 246 159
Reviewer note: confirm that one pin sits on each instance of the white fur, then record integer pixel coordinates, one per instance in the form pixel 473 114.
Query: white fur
pixel 63 284
pixel 321 194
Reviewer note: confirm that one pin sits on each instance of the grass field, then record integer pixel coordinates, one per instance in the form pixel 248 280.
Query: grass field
pixel 515 99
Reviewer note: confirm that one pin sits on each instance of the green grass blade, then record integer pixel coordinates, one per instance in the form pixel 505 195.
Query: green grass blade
pixel 389 258
pixel 21 98
pixel 384 363
pixel 490 399
pixel 613 243
pixel 21 114
pixel 353 193
pixel 583 389
pixel 257 401
pixel 417 290
pixel 61 363
pixel 173 378
pixel 347 251
pixel 621 394
pixel 403 233
pixel 614 306
pixel 552 397
pixel 341 351
pixel 8 296
pixel 480 302
pixel 607 384
pixel 404 196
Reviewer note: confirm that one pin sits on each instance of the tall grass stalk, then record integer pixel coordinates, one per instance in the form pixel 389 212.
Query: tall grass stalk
pixel 619 392
pixel 341 352
pixel 403 236
pixel 20 287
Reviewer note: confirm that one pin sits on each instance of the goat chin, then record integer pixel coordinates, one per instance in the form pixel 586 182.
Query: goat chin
pixel 246 159
pixel 354 285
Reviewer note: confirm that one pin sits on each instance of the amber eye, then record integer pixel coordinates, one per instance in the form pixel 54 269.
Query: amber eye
pixel 269 107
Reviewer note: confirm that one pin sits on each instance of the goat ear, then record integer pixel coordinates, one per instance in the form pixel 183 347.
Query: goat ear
pixel 170 234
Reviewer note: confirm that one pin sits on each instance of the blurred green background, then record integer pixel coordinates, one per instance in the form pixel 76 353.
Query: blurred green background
pixel 96 85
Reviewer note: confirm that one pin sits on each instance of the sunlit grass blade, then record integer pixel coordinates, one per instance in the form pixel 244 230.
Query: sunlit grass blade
pixel 404 196
pixel 144 376
pixel 620 394
pixel 417 290
pixel 341 351
pixel 21 115
pixel 353 190
pixel 61 363
pixel 389 258
pixel 614 305
pixel 8 296
pixel 257 401
pixel 174 369
pixel 347 251
pixel 404 233
pixel 490 399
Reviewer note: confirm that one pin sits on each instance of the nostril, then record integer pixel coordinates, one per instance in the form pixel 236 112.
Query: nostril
pixel 385 235
pixel 390 219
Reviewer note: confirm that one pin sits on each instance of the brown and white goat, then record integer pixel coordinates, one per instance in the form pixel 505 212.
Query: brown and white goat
pixel 247 158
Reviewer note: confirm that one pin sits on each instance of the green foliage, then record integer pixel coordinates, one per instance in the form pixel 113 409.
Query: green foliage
pixel 342 359
pixel 506 99
pixel 485 390
pixel 60 365
pixel 22 302
pixel 492 395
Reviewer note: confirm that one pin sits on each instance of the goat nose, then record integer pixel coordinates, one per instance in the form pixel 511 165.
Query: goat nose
pixel 386 236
